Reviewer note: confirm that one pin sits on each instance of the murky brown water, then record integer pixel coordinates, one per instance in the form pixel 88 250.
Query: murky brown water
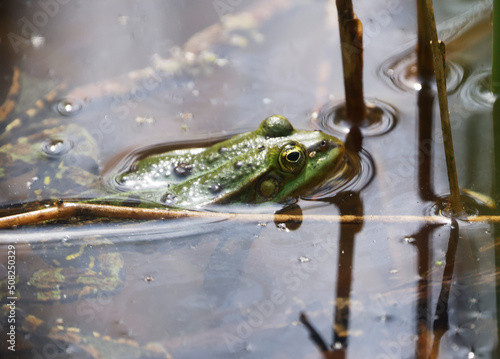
pixel 391 287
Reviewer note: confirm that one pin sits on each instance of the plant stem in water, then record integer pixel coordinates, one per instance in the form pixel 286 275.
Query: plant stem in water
pixel 495 67
pixel 439 57
pixel 351 40
pixel 424 51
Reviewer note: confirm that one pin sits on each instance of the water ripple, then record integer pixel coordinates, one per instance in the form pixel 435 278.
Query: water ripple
pixel 476 92
pixel 353 174
pixel 402 72
pixel 380 118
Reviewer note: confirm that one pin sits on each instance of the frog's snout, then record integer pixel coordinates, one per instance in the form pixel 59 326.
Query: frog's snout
pixel 340 145
pixel 335 149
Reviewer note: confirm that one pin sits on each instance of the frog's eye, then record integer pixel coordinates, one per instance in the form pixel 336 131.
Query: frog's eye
pixel 292 158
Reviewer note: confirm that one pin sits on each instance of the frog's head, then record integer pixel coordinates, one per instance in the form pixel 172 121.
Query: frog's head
pixel 298 160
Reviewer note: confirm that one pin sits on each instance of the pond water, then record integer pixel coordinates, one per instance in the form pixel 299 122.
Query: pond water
pixel 132 76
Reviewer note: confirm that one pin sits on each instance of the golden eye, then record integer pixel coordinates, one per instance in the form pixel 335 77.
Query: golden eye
pixel 292 157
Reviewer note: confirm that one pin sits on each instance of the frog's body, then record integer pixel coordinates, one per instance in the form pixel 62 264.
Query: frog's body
pixel 272 163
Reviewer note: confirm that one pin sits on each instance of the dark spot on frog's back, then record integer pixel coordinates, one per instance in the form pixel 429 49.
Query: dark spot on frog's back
pixel 216 188
pixel 183 169
pixel 238 165
pixel 168 199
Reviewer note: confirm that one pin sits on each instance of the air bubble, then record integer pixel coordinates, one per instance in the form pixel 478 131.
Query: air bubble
pixel 68 107
pixel 304 259
pixel 409 239
pixel 282 227
pixel 53 148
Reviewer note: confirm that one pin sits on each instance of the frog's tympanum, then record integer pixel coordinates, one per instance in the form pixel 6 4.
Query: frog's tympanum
pixel 273 163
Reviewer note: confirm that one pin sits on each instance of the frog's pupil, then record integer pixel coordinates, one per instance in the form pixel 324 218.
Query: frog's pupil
pixel 293 156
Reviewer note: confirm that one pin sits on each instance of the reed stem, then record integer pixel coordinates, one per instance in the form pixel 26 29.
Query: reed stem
pixel 455 205
pixel 424 51
pixel 351 40
pixel 495 67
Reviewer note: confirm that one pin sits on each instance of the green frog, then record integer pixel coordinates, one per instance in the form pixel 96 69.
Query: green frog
pixel 273 163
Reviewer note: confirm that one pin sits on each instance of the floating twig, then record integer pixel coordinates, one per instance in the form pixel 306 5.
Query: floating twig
pixel 67 210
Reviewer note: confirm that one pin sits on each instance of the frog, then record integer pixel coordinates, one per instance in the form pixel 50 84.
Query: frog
pixel 274 163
